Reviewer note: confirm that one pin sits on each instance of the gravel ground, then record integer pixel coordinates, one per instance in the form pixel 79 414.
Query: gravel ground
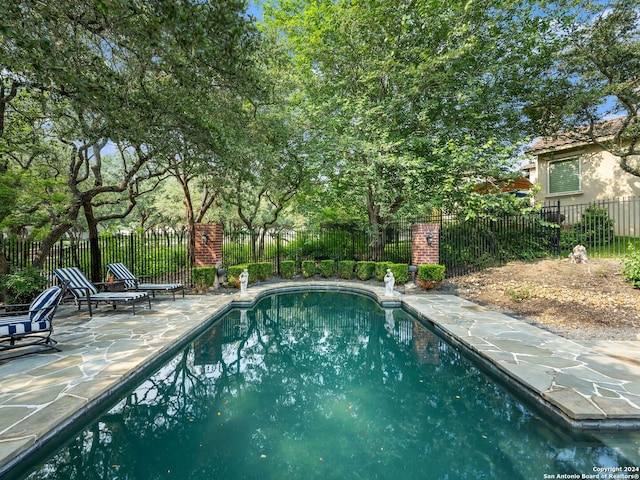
pixel 591 301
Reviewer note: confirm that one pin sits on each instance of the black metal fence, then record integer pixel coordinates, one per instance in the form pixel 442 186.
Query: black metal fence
pixel 479 243
pixel 605 227
pixel 161 256
pixel 466 245
pixel 393 244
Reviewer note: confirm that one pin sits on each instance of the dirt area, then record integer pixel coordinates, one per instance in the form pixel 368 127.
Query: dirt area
pixel 589 301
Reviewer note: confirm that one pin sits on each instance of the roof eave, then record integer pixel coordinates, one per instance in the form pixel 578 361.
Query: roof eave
pixel 560 148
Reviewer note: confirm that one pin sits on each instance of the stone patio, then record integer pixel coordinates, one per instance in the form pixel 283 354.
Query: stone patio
pixel 586 385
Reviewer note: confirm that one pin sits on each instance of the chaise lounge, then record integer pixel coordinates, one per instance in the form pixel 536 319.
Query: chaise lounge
pixel 30 325
pixel 131 282
pixel 85 291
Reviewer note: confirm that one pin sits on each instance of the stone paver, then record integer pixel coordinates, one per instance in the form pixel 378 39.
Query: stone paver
pixel 590 385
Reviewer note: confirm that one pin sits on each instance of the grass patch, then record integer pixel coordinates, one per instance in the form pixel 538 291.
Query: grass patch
pixel 617 248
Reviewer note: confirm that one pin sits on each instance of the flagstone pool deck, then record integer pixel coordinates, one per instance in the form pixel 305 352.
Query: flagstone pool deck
pixel 591 385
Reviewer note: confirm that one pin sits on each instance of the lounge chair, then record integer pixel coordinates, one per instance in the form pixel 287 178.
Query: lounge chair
pixel 131 282
pixel 85 291
pixel 28 325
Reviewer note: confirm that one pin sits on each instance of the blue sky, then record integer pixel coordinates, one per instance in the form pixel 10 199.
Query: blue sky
pixel 255 9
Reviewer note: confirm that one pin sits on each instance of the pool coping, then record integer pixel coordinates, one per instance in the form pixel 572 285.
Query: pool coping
pixel 45 396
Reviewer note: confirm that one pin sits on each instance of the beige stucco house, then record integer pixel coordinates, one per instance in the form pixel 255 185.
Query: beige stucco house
pixel 570 169
pixel 576 172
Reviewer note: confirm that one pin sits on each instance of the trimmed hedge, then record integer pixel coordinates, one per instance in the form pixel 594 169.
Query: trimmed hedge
pixel 381 270
pixel 327 268
pixel 400 272
pixel 233 274
pixel 264 270
pixel 287 268
pixel 430 272
pixel 204 276
pixel 254 272
pixel 365 269
pixel 257 272
pixel 346 269
pixel 308 268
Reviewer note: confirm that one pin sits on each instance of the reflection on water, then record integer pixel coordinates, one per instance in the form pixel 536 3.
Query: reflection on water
pixel 426 345
pixel 321 385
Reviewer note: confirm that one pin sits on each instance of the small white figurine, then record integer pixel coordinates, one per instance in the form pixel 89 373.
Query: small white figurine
pixel 244 281
pixel 579 254
pixel 389 282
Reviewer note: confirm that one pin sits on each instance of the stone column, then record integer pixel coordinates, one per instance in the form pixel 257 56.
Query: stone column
pixel 425 241
pixel 208 245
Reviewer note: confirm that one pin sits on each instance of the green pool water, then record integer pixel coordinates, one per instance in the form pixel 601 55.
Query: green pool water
pixel 322 385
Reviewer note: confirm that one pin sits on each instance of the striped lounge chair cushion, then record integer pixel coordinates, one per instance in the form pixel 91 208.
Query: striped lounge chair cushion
pixel 160 286
pixel 123 274
pixel 44 304
pixel 77 281
pixel 124 297
pixel 22 325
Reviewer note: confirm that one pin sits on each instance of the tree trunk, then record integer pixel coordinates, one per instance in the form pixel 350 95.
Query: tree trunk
pixel 377 230
pixel 94 244
pixel 263 233
pixel 191 222
pixel 47 244
pixel 4 264
pixel 254 246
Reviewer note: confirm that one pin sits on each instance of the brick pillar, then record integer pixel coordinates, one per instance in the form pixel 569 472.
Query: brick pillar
pixel 208 245
pixel 421 235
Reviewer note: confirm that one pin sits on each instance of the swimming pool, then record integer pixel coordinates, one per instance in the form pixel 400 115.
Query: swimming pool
pixel 322 384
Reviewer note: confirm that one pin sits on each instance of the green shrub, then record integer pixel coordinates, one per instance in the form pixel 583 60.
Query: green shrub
pixel 595 228
pixel 520 294
pixel 308 268
pixel 254 272
pixel 257 271
pixel 400 272
pixel 346 269
pixel 287 268
pixel 631 266
pixel 263 270
pixel 568 239
pixel 22 286
pixel 267 270
pixel 204 276
pixel 365 270
pixel 233 274
pixel 381 270
pixel 430 272
pixel 327 268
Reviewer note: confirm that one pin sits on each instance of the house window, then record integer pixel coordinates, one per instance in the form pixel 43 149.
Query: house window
pixel 564 175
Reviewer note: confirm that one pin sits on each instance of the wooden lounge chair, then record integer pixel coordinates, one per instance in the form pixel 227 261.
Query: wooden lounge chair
pixel 28 325
pixel 85 291
pixel 131 282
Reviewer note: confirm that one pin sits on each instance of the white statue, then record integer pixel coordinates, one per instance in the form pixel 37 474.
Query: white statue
pixel 244 281
pixel 389 282
pixel 579 254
